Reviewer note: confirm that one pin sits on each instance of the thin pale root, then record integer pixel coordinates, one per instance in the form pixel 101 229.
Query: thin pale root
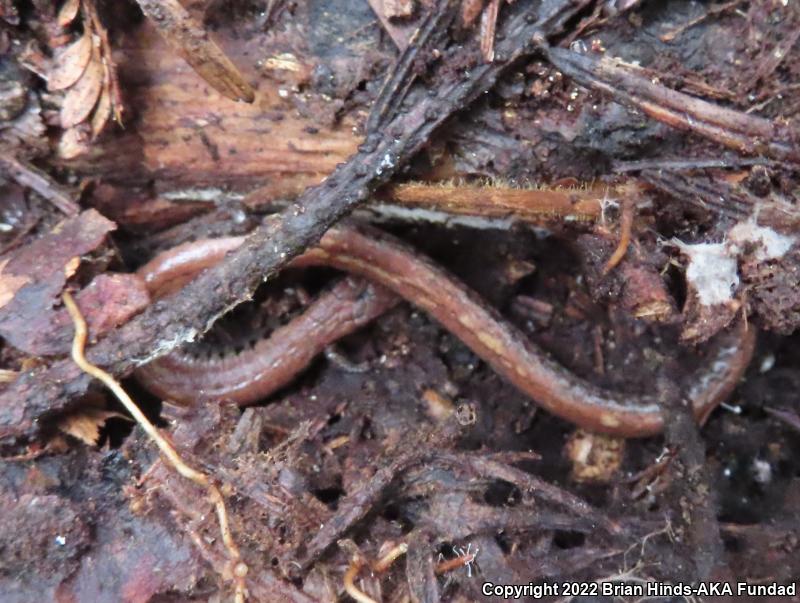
pixel 239 568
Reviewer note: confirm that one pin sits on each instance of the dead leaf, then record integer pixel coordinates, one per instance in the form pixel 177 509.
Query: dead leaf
pixel 68 12
pixel 111 79
pixel 186 35
pixel 82 97
pixel 70 63
pixel 102 112
pixel 74 142
pixel 86 423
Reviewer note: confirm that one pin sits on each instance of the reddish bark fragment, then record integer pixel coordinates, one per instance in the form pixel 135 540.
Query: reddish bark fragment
pixel 32 277
pixel 107 302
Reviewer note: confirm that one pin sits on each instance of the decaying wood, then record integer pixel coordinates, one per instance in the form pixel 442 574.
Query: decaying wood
pixel 27 175
pixel 502 201
pixel 192 41
pixel 398 30
pixel 187 137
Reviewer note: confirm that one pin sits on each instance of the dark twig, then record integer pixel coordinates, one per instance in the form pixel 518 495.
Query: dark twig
pixel 528 483
pixel 396 87
pixel 787 416
pixel 695 504
pixel 31 177
pixel 725 199
pixel 708 194
pixel 630 85
pixel 413 451
pixel 686 165
pixel 190 312
pixel 420 575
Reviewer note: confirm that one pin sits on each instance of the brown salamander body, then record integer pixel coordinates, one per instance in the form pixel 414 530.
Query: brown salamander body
pixel 394 266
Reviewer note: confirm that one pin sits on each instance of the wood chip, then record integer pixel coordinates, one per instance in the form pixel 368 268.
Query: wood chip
pixel 488 27
pixel 74 143
pixel 470 10
pixel 7 376
pixel 69 10
pixel 29 319
pixel 102 112
pixel 399 30
pixel 70 64
pixel 85 424
pixel 188 37
pixel 398 9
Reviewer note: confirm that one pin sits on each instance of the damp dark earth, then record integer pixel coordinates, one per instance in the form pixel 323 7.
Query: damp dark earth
pixel 399 301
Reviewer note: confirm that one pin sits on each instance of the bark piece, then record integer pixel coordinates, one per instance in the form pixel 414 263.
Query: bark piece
pixel 33 276
pixel 191 40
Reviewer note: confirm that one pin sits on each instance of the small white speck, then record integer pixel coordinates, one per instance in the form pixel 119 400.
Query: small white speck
pixel 578 46
pixel 386 163
pixel 737 410
pixel 60 540
pixel 767 362
pixel 762 471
